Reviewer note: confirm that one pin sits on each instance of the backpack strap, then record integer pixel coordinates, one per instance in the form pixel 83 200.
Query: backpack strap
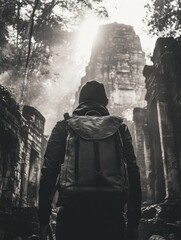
pixel 120 137
pixel 119 147
pixel 66 116
pixel 77 142
pixel 98 174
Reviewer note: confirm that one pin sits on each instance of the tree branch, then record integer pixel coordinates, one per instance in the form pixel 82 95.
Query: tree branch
pixel 30 33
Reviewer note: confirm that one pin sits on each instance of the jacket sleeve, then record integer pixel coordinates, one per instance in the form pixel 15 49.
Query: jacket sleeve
pixel 53 157
pixel 134 201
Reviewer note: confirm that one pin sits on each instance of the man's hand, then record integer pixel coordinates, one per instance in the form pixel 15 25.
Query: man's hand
pixel 132 234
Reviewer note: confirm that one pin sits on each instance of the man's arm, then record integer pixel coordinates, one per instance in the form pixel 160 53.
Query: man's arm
pixel 134 201
pixel 53 157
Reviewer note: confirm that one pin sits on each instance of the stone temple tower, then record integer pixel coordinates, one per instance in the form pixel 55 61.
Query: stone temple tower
pixel 117 61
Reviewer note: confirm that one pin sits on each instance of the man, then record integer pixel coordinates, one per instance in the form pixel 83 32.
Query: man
pixel 97 217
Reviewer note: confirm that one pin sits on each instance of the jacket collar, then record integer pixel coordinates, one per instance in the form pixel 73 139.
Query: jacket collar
pixel 91 109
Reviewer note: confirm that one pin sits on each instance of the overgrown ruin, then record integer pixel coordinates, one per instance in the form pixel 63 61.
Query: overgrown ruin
pixel 117 61
pixel 21 152
pixel 162 138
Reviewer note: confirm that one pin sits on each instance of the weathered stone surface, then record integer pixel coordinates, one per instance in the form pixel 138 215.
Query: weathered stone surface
pixel 139 119
pixel 26 221
pixel 162 136
pixel 163 129
pixel 21 223
pixel 149 212
pixel 152 227
pixel 117 61
pixel 162 219
pixel 21 154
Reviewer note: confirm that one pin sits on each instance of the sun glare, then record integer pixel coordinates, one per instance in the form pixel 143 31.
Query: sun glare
pixel 87 33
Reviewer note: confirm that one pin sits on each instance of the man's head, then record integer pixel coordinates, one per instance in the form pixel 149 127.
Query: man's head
pixel 93 91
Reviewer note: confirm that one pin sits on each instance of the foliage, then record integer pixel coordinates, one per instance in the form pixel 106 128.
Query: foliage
pixel 163 17
pixel 52 18
pixel 49 15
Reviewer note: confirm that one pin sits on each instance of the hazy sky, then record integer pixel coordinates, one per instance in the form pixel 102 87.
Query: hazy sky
pixel 129 12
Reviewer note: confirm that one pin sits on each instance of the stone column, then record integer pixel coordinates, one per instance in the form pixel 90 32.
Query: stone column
pixel 25 178
pixel 169 158
pixel 139 118
pixel 148 165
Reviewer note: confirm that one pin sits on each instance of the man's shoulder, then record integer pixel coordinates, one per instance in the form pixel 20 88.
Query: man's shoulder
pixel 61 123
pixel 60 126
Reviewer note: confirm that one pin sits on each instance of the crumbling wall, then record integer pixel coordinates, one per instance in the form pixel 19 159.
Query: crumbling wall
pixel 162 135
pixel 139 118
pixel 163 118
pixel 21 144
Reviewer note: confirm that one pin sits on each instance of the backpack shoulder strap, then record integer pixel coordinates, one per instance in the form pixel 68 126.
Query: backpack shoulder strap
pixel 66 116
pixel 120 138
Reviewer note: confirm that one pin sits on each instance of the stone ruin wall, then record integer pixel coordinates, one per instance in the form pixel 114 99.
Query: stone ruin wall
pixel 22 146
pixel 159 138
pixel 161 122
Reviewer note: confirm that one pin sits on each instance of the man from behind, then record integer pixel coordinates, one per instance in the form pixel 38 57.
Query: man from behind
pixel 94 156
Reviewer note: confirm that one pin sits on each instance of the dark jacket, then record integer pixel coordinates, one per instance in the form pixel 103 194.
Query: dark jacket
pixel 54 156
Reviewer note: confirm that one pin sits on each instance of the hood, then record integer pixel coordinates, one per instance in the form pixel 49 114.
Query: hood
pixel 91 109
pixel 93 127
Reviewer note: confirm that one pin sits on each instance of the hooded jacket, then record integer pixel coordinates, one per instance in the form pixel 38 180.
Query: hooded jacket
pixel 54 156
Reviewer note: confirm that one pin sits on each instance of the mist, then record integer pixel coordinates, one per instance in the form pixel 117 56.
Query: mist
pixel 59 79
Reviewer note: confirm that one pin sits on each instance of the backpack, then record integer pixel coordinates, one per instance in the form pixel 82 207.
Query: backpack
pixel 94 161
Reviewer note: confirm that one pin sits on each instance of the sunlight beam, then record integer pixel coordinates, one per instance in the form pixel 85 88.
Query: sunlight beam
pixel 87 33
